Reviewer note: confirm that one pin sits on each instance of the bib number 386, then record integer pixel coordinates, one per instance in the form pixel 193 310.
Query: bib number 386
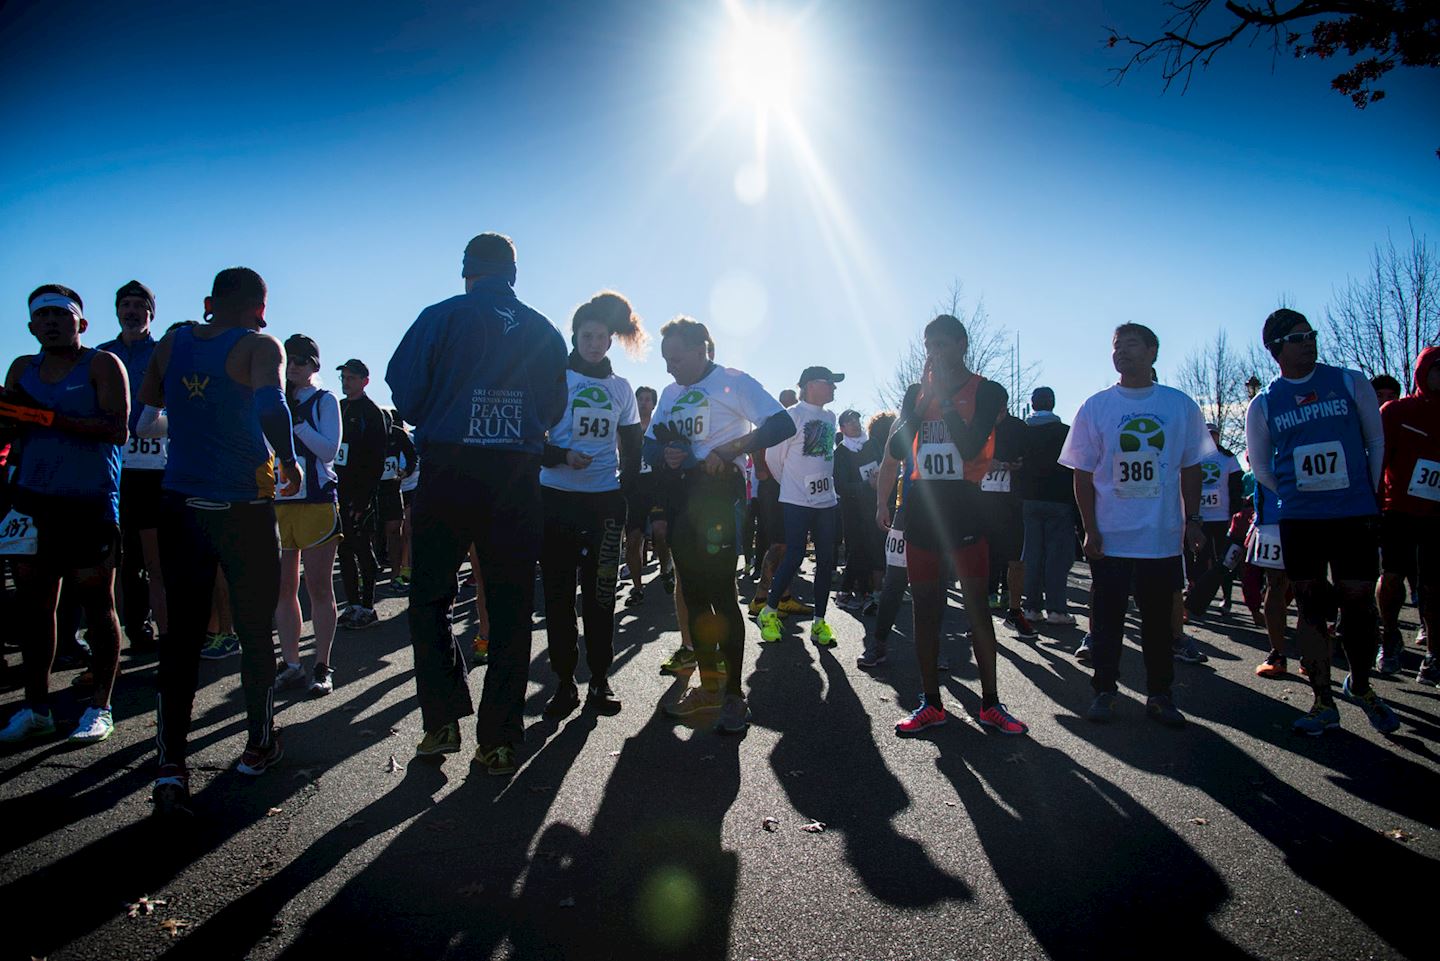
pixel 1321 467
pixel 1137 474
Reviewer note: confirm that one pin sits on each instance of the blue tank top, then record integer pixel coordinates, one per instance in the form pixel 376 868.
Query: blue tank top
pixel 1320 464
pixel 217 450
pixel 59 464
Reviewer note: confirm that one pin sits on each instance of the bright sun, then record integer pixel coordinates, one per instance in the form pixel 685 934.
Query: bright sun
pixel 761 61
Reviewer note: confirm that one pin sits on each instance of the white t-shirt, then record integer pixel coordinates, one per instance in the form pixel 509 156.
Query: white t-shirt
pixel 804 462
pixel 725 405
pixel 1215 471
pixel 591 424
pixel 1135 443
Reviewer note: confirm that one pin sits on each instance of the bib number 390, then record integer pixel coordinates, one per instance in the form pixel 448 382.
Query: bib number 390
pixel 1425 482
pixel 17 535
pixel 818 488
pixel 1321 467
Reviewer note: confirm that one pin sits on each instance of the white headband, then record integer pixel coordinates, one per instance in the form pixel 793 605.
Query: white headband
pixel 51 299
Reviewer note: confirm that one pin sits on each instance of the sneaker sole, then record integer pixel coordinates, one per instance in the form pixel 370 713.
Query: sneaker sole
pixel 246 769
pixel 920 730
pixel 1001 728
pixel 75 739
pixel 1309 733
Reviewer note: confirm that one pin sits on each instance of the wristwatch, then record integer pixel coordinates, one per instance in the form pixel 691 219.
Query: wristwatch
pixel 1194 518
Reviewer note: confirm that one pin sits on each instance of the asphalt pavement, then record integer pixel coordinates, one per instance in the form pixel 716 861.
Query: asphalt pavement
pixel 637 837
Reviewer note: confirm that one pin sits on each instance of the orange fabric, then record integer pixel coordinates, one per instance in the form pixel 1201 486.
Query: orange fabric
pixel 964 403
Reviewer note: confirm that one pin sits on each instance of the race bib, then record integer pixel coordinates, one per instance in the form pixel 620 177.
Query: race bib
pixel 1263 547
pixel 645 467
pixel 1425 482
pixel 818 488
pixel 1209 500
pixel 868 471
pixel 997 479
pixel 940 461
pixel 342 456
pixel 588 423
pixel 1321 467
pixel 895 547
pixel 392 469
pixel 17 535
pixel 1137 474
pixel 695 426
pixel 144 453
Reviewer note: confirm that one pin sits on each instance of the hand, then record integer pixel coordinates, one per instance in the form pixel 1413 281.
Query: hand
pixel 674 457
pixel 714 464
pixel 874 481
pixel 1094 548
pixel 290 478
pixel 882 517
pixel 577 460
pixel 1194 535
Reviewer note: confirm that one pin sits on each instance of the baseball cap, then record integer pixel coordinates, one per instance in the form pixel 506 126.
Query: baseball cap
pixel 355 367
pixel 300 347
pixel 848 415
pixel 819 373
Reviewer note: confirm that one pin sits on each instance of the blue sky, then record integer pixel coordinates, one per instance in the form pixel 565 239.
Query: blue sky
pixel 348 152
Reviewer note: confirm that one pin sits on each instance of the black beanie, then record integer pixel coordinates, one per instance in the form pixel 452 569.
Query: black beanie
pixel 1281 323
pixel 136 289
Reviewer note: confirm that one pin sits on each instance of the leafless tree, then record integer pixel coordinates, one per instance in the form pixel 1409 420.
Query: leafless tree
pixel 1379 322
pixel 993 353
pixel 1215 375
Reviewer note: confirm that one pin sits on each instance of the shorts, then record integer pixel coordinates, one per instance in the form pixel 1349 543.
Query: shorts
pixel 1005 524
pixel 407 498
pixel 922 565
pixel 303 526
pixel 639 503
pixel 389 503
pixel 772 515
pixel 71 533
pixel 140 499
pixel 1346 547
pixel 1409 544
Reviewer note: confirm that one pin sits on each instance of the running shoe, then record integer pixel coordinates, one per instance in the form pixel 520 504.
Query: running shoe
pixel 1102 708
pixel 870 607
pixel 757 605
pixel 1382 718
pixel 1000 719
pixel 734 715
pixel 1082 653
pixel 695 700
pixel 1032 615
pixel 217 647
pixel 789 605
pixel 499 760
pixel 1274 665
pixel 171 793
pixel 1020 624
pixel 1387 659
pixel 601 699
pixel 871 658
pixel 923 717
pixel 479 650
pixel 1319 719
pixel 565 700
pixel 445 739
pixel 667 580
pixel 96 724
pixel 322 682
pixel 769 625
pixel 1060 619
pixel 624 574
pixel 844 599
pixel 26 724
pixel 996 601
pixel 288 676
pixel 1160 707
pixel 364 617
pixel 400 583
pixel 257 760
pixel 821 634
pixel 678 663
pixel 1429 673
pixel 1185 649
pixel 84 679
pixel 635 598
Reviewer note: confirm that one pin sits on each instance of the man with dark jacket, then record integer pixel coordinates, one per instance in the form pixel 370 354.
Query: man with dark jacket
pixel 364 437
pixel 482 377
pixel 1049 511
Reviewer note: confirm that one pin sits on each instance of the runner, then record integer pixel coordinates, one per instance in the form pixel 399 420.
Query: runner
pixel 1314 437
pixel 894 476
pixel 390 501
pixel 142 588
pixel 359 464
pixel 1136 449
pixel 66 407
pixel 705 423
pixel 1049 513
pixel 592 452
pixel 408 484
pixel 219 386
pixel 857 459
pixel 1002 498
pixel 1262 550
pixel 1387 388
pixel 946 428
pixel 804 463
pixel 1222 488
pixel 481 376
pixel 1410 524
pixel 309 522
pixel 639 503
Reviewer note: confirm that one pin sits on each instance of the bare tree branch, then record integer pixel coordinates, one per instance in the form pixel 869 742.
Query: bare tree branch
pixel 1378 323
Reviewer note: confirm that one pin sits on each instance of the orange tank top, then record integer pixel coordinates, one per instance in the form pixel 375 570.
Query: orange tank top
pixel 933 436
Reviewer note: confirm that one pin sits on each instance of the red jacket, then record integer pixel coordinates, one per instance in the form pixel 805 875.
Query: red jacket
pixel 1412 433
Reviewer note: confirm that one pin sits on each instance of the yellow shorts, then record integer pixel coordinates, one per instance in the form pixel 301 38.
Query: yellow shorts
pixel 303 526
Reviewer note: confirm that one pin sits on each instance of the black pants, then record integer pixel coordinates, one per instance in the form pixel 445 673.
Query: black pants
pixel 358 568
pixel 892 594
pixel 239 539
pixel 1207 570
pixel 582 535
pixel 490 499
pixel 1155 581
pixel 703 535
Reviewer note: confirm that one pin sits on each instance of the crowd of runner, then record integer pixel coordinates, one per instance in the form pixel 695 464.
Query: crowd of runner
pixel 209 468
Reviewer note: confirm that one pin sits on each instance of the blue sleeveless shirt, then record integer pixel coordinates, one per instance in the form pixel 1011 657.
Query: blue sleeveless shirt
pixel 217 450
pixel 59 464
pixel 1321 468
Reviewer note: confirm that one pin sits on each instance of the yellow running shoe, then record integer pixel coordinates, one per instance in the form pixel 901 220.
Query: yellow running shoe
pixel 821 634
pixel 788 605
pixel 757 605
pixel 769 626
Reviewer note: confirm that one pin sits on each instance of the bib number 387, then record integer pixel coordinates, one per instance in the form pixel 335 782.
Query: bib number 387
pixel 1321 467
pixel 1425 482
pixel 1137 474
pixel 17 534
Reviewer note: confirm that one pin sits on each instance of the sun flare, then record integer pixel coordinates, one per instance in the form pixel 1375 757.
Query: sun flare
pixel 762 63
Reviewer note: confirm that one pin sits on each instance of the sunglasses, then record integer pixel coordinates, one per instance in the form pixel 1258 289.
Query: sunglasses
pixel 1299 337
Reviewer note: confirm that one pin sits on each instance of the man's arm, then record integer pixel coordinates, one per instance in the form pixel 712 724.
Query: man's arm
pixel 263 373
pixel 1371 427
pixel 1085 503
pixel 1258 446
pixel 885 488
pixel 1190 483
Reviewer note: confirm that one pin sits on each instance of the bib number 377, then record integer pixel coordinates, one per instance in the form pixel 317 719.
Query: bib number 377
pixel 1321 467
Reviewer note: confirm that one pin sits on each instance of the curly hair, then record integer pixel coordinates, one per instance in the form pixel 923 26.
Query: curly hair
pixel 612 310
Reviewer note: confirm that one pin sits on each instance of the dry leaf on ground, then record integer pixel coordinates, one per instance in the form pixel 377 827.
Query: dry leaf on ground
pixel 143 906
pixel 172 926
pixel 1398 834
pixel 771 824
pixel 392 765
pixel 814 827
pixel 272 812
pixel 1200 821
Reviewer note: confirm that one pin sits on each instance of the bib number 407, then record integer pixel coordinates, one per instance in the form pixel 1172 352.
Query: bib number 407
pixel 1321 467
